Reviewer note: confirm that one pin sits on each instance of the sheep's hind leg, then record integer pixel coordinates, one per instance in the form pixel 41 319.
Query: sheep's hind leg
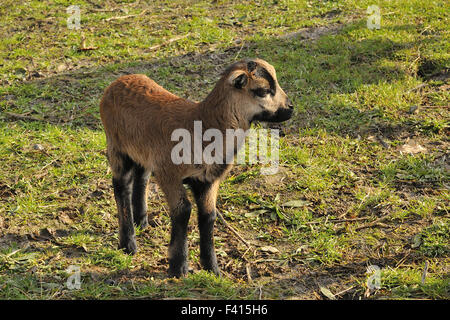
pixel 139 196
pixel 122 166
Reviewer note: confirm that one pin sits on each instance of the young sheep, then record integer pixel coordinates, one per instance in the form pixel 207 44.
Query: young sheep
pixel 139 117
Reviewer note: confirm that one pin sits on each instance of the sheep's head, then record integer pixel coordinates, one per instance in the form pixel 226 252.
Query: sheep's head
pixel 254 84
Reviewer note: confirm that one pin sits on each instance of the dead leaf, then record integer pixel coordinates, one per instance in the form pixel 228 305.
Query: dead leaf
pixel 372 138
pixel 416 241
pixel 64 218
pixel 255 213
pixel 269 249
pixel 60 68
pixel 413 110
pixel 301 249
pixel 412 147
pixel 296 203
pixel 38 147
pixel 327 293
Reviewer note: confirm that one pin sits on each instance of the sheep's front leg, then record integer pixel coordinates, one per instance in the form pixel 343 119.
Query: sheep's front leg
pixel 178 248
pixel 180 211
pixel 205 195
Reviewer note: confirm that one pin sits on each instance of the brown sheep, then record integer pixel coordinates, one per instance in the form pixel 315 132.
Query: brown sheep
pixel 139 117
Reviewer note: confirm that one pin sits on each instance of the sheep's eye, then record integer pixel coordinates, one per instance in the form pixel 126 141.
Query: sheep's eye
pixel 261 92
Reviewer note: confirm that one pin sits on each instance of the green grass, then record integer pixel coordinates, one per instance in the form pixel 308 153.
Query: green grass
pixel 347 194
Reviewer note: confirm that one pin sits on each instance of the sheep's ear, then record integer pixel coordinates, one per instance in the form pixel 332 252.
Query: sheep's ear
pixel 238 79
pixel 251 66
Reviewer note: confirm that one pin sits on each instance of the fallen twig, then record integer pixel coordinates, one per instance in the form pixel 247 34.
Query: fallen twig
pixel 126 17
pixel 83 44
pixel 370 225
pixel 377 222
pixel 417 87
pixel 339 220
pixel 344 291
pixel 240 49
pixel 232 230
pixel 248 270
pixel 107 10
pixel 383 143
pixel 87 48
pixel 267 260
pixel 22 116
pixel 26 117
pixel 168 42
pixel 402 259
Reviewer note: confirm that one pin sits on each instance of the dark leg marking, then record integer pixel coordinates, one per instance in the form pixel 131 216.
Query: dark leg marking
pixel 178 248
pixel 139 196
pixel 122 184
pixel 205 197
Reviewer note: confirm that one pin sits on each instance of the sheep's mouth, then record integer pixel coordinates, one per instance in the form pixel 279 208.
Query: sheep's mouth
pixel 282 114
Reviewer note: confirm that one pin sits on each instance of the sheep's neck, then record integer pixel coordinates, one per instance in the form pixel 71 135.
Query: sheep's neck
pixel 220 112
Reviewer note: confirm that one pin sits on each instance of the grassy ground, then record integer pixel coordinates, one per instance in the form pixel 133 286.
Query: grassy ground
pixel 364 176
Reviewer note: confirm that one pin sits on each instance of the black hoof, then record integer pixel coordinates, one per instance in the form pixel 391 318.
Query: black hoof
pixel 129 247
pixel 179 271
pixel 209 263
pixel 142 223
pixel 215 271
